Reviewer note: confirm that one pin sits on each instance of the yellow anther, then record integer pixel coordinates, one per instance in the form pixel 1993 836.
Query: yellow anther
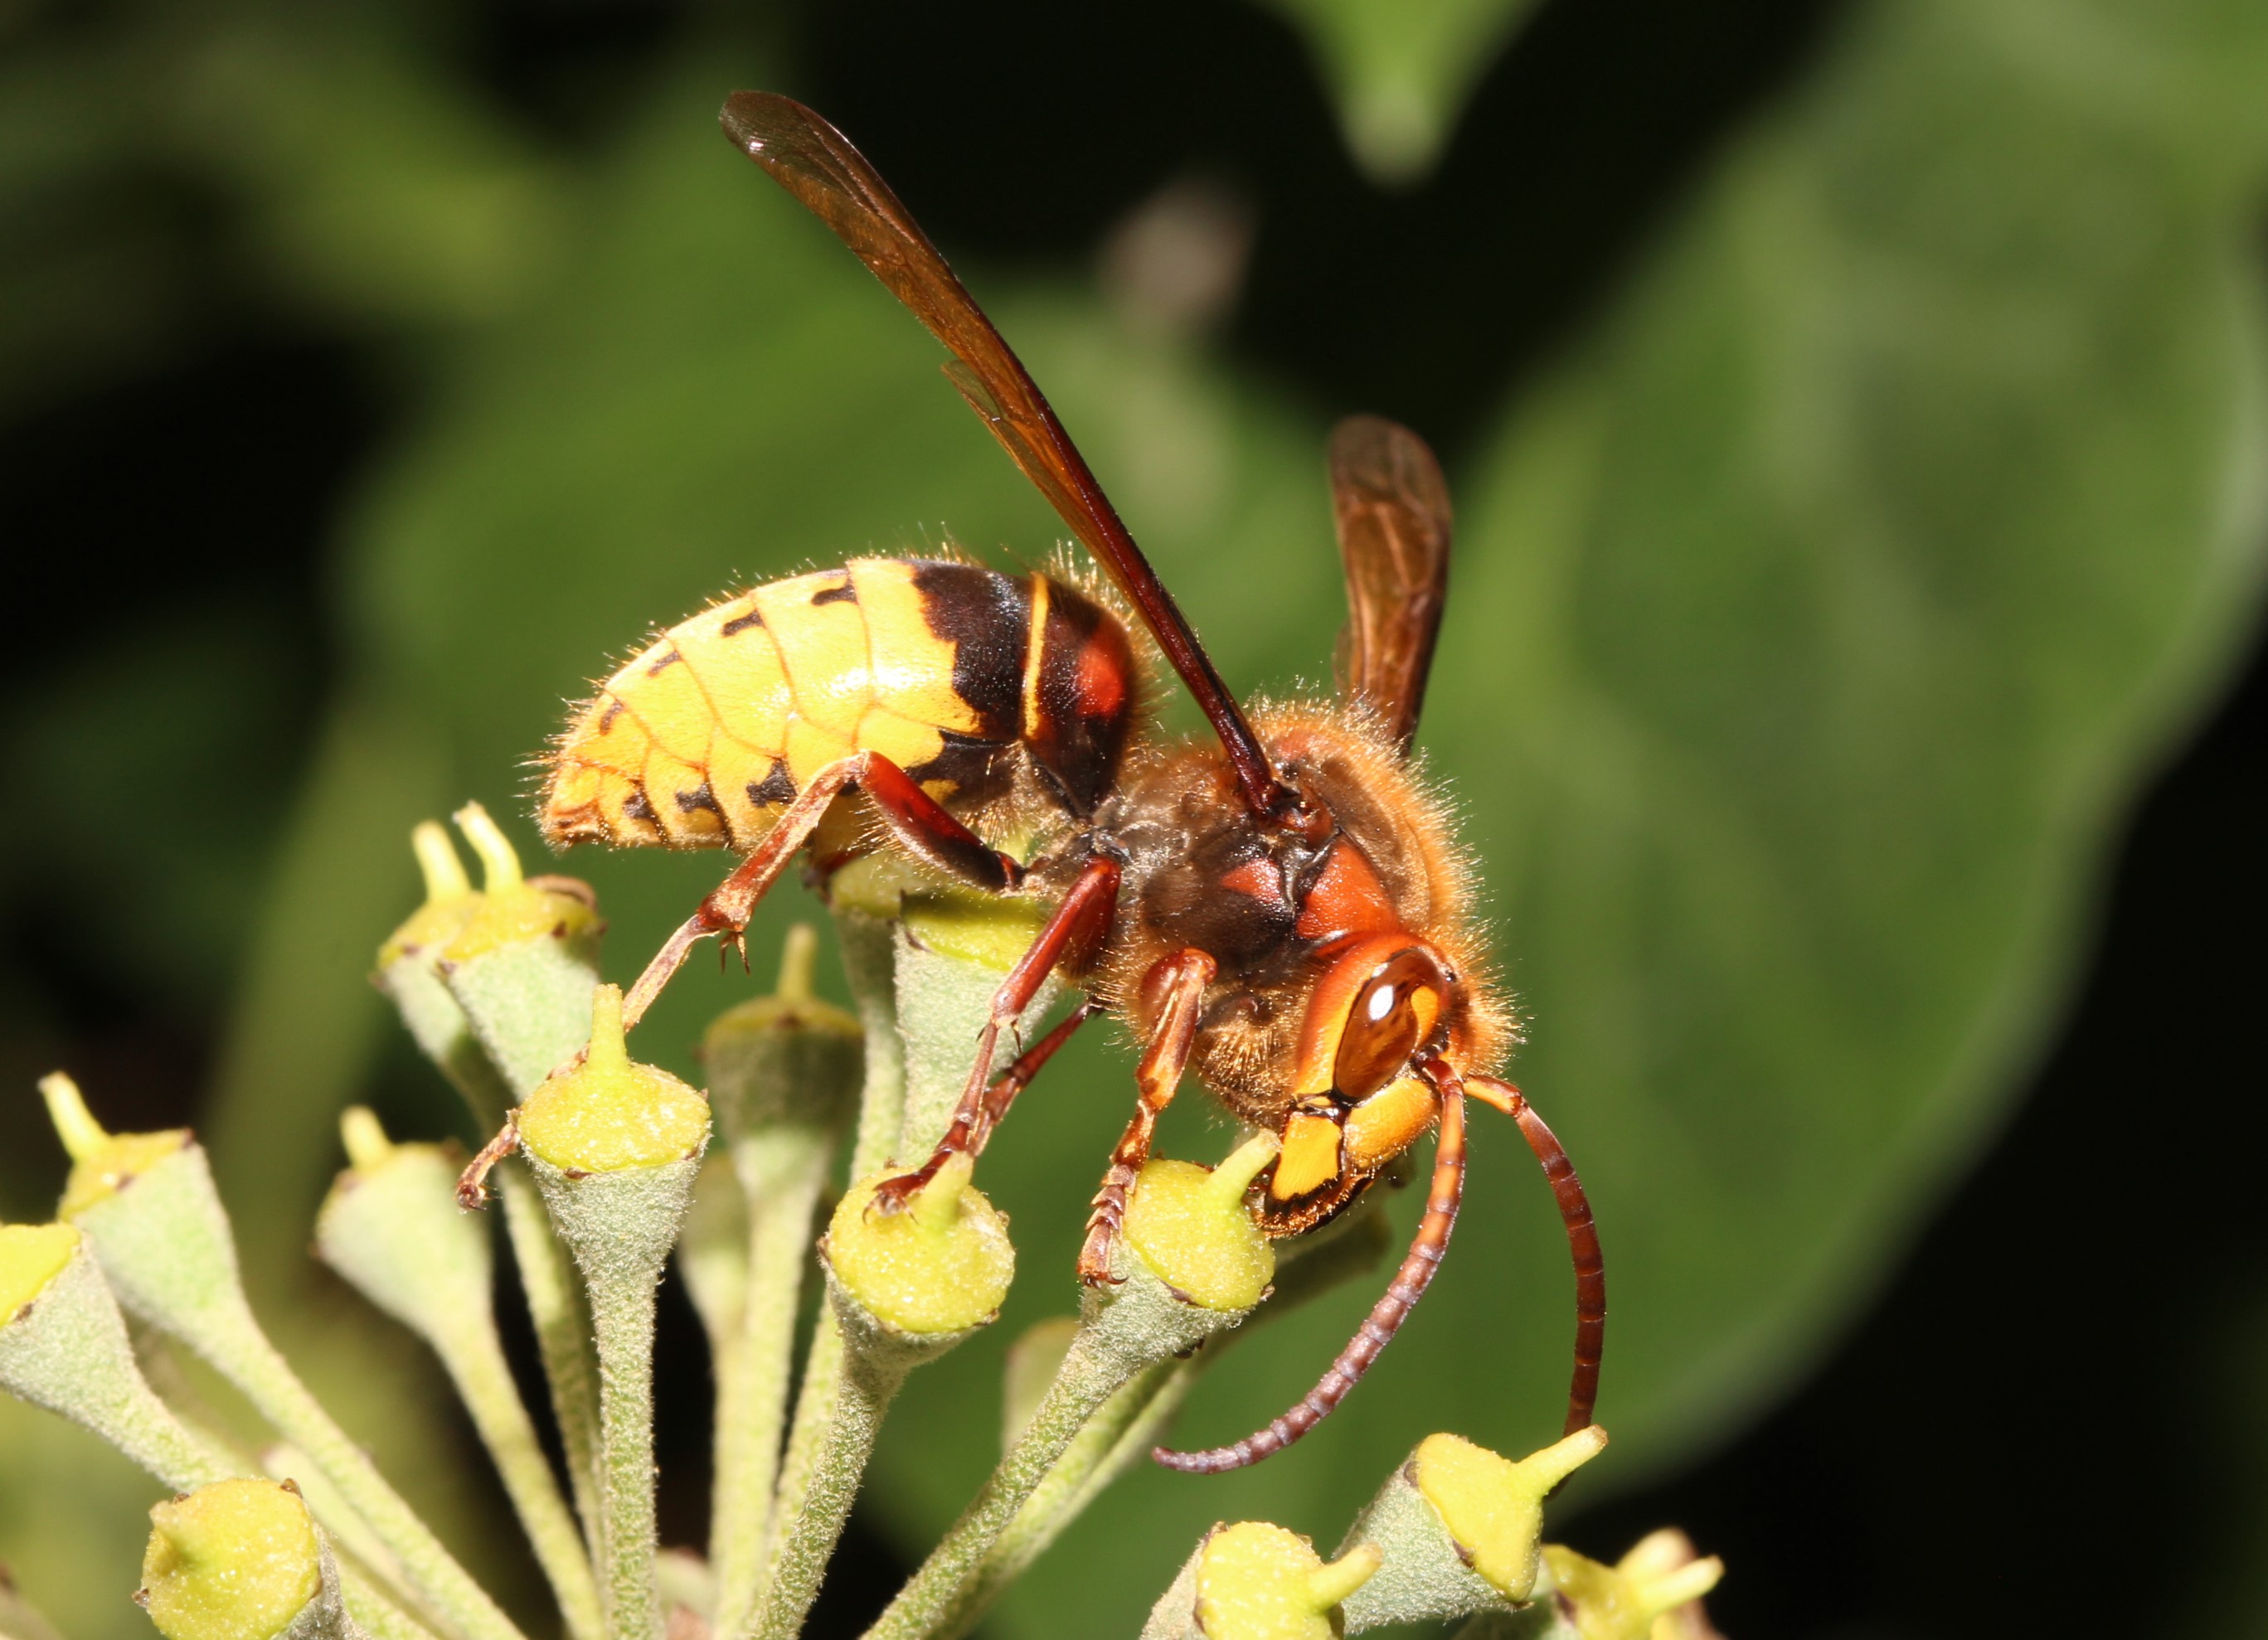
pixel 75 1124
pixel 499 862
pixel 367 1145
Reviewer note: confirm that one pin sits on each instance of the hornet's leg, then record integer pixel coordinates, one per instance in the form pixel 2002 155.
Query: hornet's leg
pixel 1582 1242
pixel 1174 990
pixel 1442 1200
pixel 1069 938
pixel 914 817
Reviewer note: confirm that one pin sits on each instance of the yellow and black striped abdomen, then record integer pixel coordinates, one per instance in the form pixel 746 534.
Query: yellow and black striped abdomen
pixel 953 671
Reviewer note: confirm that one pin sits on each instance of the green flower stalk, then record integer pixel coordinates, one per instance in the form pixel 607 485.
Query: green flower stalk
pixel 147 1206
pixel 495 989
pixel 241 1560
pixel 391 1227
pixel 1252 1581
pixel 614 1147
pixel 1461 1528
pixel 904 1287
pixel 1199 1268
pixel 784 1077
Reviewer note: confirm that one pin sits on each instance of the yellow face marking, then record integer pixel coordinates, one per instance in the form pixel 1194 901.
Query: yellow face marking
pixel 1309 1159
pixel 823 646
pixel 912 667
pixel 1387 1122
pixel 904 741
pixel 738 669
pixel 810 749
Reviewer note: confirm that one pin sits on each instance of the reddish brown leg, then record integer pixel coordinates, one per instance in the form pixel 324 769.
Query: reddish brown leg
pixel 1386 1316
pixel 1071 936
pixel 1174 988
pixel 1582 1242
pixel 1018 1076
pixel 914 817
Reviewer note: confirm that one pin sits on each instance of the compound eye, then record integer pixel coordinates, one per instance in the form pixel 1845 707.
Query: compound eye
pixel 1394 1013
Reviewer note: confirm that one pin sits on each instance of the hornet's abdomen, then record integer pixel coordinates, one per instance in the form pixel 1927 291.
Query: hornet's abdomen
pixel 954 672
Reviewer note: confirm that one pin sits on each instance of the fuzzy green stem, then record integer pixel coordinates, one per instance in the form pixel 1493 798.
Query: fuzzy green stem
pixel 783 1171
pixel 1127 1425
pixel 474 1356
pixel 621 1314
pixel 561 1317
pixel 869 948
pixel 867 1378
pixel 1089 1377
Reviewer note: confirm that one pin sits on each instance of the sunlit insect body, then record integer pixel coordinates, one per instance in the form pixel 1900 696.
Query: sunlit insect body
pixel 1279 907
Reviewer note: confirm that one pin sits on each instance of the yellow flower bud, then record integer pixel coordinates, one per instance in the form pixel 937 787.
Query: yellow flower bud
pixel 941 1266
pixel 1190 1224
pixel 608 1115
pixel 1628 1599
pixel 237 1560
pixel 1493 1507
pixel 510 909
pixel 102 1163
pixel 1260 1582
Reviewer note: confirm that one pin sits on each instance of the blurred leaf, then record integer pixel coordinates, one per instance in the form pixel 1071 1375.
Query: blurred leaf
pixel 1402 69
pixel 1811 629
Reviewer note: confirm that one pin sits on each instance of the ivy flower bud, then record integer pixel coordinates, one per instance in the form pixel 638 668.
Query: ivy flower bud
pixel 941 1267
pixel 522 965
pixel 102 1163
pixel 1190 1224
pixel 788 1059
pixel 1659 1578
pixel 63 1346
pixel 608 1115
pixel 1252 1581
pixel 237 1560
pixel 1460 1527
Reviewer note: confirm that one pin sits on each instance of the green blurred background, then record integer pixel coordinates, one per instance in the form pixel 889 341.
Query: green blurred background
pixel 1856 413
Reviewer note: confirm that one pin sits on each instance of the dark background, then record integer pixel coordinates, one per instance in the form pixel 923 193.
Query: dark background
pixel 2086 1308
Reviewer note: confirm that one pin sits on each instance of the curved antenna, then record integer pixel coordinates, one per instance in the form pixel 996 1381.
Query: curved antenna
pixel 1386 1316
pixel 816 163
pixel 1582 1241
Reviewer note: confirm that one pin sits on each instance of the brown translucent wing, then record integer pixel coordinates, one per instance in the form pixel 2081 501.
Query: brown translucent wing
pixel 1393 538
pixel 817 164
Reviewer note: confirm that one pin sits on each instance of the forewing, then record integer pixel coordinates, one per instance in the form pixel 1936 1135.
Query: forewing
pixel 1393 513
pixel 817 164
